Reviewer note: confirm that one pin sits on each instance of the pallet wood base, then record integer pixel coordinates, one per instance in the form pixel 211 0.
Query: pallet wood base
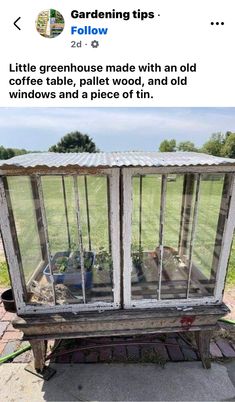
pixel 39 328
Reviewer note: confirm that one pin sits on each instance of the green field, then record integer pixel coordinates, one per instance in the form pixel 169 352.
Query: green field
pixel 23 207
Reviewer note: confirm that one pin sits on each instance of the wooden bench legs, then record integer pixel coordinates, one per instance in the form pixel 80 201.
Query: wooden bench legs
pixel 39 348
pixel 203 343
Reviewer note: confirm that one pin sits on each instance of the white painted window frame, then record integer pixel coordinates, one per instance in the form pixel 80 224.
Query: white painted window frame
pixel 24 308
pixel 128 303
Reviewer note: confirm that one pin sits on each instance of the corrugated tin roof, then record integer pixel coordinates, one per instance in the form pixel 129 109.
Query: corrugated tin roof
pixel 112 159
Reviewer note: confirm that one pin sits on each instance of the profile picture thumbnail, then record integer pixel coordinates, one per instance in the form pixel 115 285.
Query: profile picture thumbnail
pixel 50 23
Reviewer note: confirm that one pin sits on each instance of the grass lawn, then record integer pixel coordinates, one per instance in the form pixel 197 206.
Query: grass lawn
pixel 210 197
pixel 230 280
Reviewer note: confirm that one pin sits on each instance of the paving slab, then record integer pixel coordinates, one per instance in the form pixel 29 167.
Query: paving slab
pixel 186 381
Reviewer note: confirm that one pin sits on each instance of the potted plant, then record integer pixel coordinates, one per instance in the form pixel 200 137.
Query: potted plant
pixel 104 262
pixel 66 268
pixel 138 261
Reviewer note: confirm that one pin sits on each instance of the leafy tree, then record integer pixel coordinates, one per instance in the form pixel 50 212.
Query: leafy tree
pixel 74 142
pixel 229 145
pixel 7 153
pixel 214 146
pixel 168 146
pixel 187 146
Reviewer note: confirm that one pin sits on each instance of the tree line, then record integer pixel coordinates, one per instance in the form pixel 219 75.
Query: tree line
pixel 219 144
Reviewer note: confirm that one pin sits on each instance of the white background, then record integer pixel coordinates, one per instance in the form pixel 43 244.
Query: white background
pixel 183 33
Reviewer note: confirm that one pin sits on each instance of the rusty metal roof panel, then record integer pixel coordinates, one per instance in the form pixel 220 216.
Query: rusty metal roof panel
pixel 115 159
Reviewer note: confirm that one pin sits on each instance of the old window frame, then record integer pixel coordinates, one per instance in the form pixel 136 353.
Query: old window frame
pixel 127 174
pixel 16 274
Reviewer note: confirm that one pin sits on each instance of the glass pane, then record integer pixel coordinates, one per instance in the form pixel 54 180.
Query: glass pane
pixel 23 209
pixel 176 194
pixel 61 212
pixel 205 255
pixel 55 212
pixel 145 235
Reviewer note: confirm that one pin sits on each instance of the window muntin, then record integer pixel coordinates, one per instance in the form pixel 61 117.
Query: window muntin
pixel 78 267
pixel 175 249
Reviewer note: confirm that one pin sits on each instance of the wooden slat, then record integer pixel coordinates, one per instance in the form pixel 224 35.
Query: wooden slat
pixel 45 228
pixel 186 211
pixel 161 230
pixel 224 205
pixel 66 212
pixel 140 212
pixel 87 213
pixel 193 231
pixel 109 214
pixel 14 236
pixel 80 240
pixel 38 214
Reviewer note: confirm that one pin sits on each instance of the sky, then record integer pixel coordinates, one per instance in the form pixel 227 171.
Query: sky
pixel 112 129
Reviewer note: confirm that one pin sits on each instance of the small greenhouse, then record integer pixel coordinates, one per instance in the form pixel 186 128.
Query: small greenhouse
pixel 145 234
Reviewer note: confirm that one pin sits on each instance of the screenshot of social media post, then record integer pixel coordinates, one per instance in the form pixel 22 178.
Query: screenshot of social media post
pixel 117 199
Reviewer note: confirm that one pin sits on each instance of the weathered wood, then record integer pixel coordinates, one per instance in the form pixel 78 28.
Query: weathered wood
pixel 39 348
pixel 193 232
pixel 224 206
pixel 9 249
pixel 66 212
pixel 161 231
pixel 38 214
pixel 121 322
pixel 80 238
pixel 87 212
pixel 109 214
pixel 140 212
pixel 71 170
pixel 14 236
pixel 186 211
pixel 116 323
pixel 203 343
pixel 45 228
pixel 226 249
pixel 38 273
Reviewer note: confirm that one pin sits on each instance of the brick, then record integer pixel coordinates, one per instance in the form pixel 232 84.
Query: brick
pixel 146 351
pixel 64 358
pixel 225 348
pixel 92 357
pixel 174 350
pixel 2 311
pixel 10 335
pixel 8 316
pixel 188 352
pixel 161 350
pixel 3 327
pixel 78 357
pixel 11 328
pixel 105 354
pixel 215 350
pixel 133 352
pixel 2 346
pixel 119 353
